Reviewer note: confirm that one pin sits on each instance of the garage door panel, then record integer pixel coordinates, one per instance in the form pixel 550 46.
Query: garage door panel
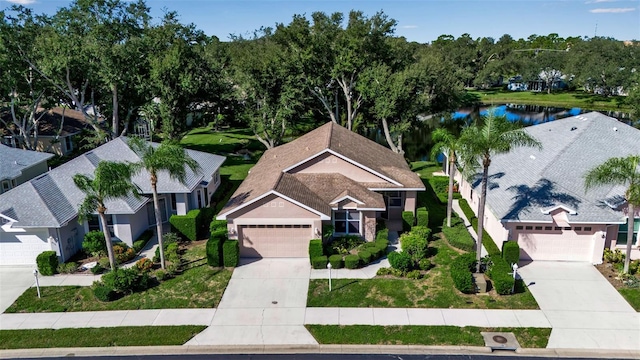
pixel 274 241
pixel 566 246
pixel 21 248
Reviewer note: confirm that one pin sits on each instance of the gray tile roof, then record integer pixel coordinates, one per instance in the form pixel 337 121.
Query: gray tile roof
pixel 52 199
pixel 527 181
pixel 14 161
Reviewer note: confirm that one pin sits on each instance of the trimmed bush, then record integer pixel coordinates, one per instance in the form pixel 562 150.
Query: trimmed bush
pixel 511 252
pixel 186 225
pixel 217 224
pixel 382 235
pixel 161 275
pixel 336 261
pixel 123 252
pixel 440 185
pixel 231 253
pixel 167 239
pixel 67 268
pixel 458 235
pixel 460 270
pixel 422 217
pixel 400 260
pixel 414 245
pixel 171 254
pixel 206 217
pixel 425 264
pixel 97 270
pixel 315 249
pixel 352 261
pixel 319 262
pixel 421 231
pixel 414 274
pixel 143 239
pixel 104 293
pixel 214 252
pixel 499 273
pixel 94 243
pixel 47 262
pixel 121 280
pixel 144 265
pixel 407 220
pixel 365 256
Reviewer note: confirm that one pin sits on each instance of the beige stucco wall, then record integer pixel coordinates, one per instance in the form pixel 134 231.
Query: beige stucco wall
pixel 330 164
pixel 612 242
pixel 410 199
pixel 57 148
pixel 369 227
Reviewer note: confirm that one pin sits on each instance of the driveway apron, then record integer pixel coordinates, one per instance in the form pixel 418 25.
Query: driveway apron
pixel 584 309
pixel 264 304
pixel 13 282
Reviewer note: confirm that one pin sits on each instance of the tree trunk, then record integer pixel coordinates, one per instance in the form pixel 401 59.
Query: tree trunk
pixel 115 120
pixel 450 195
pixel 387 136
pixel 630 225
pixel 107 236
pixel 156 208
pixel 483 197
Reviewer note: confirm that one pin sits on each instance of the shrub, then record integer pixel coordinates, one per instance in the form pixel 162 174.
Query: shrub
pixel 144 265
pixel 143 239
pixel 123 253
pixel 440 185
pixel 94 243
pixel 422 217
pixel 499 273
pixel 217 225
pixel 425 264
pixel 104 262
pixel 365 256
pixel 336 261
pixel 400 260
pixel 121 280
pixel 383 271
pixel 206 218
pixel 460 270
pixel 171 253
pixel 613 257
pixel 634 266
pixel 351 261
pixel 186 225
pixel 344 244
pixel 511 252
pixel 97 270
pixel 167 240
pixel 422 231
pixel 380 249
pixel 47 262
pixel 382 235
pixel 315 248
pixel 214 252
pixel 161 275
pixel 104 293
pixel 231 253
pixel 407 220
pixel 415 274
pixel 458 235
pixel 319 262
pixel 414 245
pixel 67 268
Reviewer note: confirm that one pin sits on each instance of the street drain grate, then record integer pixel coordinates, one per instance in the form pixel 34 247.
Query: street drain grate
pixel 500 341
pixel 274 302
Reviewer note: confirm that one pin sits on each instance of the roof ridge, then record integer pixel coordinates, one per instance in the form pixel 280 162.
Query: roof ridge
pixel 589 123
pixel 328 142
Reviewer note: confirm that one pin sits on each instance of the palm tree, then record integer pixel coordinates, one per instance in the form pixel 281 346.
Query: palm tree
pixel 493 135
pixel 111 180
pixel 169 157
pixel 446 142
pixel 620 171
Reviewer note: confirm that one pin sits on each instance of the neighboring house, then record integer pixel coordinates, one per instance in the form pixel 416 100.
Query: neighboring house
pixel 54 135
pixel 537 197
pixel 329 176
pixel 18 166
pixel 42 214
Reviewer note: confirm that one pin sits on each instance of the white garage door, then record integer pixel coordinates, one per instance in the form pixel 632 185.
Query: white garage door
pixel 566 245
pixel 274 240
pixel 22 248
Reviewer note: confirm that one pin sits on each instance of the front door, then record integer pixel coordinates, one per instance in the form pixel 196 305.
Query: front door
pixel 151 215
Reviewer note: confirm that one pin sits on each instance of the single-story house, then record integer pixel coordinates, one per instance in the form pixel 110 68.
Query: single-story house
pixel 329 176
pixel 55 135
pixel 42 214
pixel 538 198
pixel 18 166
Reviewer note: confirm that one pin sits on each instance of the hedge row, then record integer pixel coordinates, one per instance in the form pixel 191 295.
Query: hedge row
pixel 500 274
pixel 458 235
pixel 440 185
pixel 461 272
pixel 422 217
pixel 511 252
pixel 487 241
pixel 315 249
pixel 188 226
pixel 367 252
pixel 408 220
pixel 231 253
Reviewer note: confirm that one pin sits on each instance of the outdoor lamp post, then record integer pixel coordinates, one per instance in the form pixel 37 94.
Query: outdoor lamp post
pixel 329 267
pixel 515 274
pixel 35 274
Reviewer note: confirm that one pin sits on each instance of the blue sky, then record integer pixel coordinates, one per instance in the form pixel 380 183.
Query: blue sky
pixel 418 20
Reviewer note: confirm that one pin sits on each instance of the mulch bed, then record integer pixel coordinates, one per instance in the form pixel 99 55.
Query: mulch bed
pixel 610 273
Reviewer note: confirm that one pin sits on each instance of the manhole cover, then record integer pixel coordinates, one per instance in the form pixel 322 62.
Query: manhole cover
pixel 500 339
pixel 274 302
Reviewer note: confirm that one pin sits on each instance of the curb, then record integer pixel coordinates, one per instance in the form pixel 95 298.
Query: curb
pixel 315 349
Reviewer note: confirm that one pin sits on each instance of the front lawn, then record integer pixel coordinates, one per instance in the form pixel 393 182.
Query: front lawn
pixel 632 295
pixel 421 335
pixel 98 337
pixel 436 290
pixel 199 286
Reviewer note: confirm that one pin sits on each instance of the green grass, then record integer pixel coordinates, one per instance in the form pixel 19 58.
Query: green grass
pixel 197 287
pixel 632 295
pixel 559 99
pixel 98 337
pixel 421 335
pixel 221 142
pixel 436 290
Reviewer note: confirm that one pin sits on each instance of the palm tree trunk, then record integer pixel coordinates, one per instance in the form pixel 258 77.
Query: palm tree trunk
pixel 156 208
pixel 483 196
pixel 630 227
pixel 450 195
pixel 107 236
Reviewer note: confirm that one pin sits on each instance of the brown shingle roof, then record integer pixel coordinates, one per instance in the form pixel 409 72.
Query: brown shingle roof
pixel 334 186
pixel 49 125
pixel 267 173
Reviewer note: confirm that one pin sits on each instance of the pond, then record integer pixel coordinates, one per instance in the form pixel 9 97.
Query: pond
pixel 417 143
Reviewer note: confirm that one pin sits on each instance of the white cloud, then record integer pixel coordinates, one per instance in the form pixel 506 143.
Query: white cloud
pixel 598 1
pixel 611 10
pixel 22 2
pixel 410 26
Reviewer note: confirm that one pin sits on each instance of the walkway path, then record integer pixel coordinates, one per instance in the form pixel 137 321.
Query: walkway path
pixel 458 210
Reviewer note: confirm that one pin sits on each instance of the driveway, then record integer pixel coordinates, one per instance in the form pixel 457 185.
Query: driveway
pixel 14 280
pixel 584 310
pixel 264 304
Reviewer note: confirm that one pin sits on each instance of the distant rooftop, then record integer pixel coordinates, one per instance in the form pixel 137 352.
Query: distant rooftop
pixel 14 161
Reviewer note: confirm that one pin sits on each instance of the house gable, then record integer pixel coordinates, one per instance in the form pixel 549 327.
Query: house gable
pixel 273 206
pixel 329 163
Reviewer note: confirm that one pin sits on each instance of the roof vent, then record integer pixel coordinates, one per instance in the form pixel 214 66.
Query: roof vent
pixel 615 128
pixel 532 157
pixel 574 128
